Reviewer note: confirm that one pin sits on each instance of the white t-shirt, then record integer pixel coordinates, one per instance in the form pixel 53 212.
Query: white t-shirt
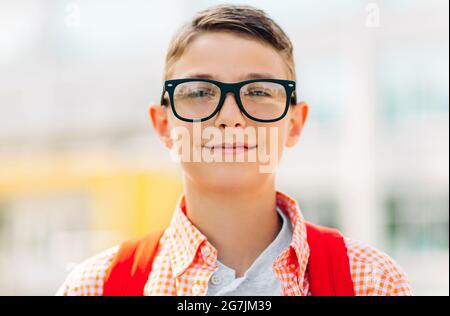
pixel 259 279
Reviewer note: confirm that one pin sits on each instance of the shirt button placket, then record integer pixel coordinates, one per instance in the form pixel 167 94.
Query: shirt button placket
pixel 207 254
pixel 216 279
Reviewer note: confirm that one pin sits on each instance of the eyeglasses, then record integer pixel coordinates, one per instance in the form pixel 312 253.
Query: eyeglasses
pixel 199 99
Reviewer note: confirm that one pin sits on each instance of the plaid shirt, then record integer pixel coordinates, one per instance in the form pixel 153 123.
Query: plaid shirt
pixel 185 261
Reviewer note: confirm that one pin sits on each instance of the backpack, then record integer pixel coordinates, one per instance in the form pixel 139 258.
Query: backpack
pixel 328 265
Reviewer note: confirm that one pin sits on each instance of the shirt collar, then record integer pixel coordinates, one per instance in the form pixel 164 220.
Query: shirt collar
pixel 185 240
pixel 297 255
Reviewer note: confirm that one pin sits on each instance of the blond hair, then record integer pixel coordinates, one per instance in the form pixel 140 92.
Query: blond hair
pixel 239 19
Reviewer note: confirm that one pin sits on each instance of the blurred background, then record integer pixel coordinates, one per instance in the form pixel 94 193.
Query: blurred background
pixel 81 168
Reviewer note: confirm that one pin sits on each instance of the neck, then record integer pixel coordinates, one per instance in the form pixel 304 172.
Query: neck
pixel 239 224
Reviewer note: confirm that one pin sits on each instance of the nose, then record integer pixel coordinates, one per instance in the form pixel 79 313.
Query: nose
pixel 230 115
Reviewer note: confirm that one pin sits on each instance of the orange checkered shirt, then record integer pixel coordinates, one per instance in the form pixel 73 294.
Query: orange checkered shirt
pixel 185 261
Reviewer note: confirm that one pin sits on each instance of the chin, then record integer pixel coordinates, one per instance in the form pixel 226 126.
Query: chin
pixel 227 176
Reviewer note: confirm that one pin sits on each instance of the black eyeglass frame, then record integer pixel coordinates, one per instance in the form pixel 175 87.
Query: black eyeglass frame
pixel 170 85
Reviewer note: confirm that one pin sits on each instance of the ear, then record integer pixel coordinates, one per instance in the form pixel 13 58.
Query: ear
pixel 297 119
pixel 158 116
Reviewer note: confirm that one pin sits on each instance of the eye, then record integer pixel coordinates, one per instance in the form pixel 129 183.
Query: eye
pixel 200 93
pixel 258 93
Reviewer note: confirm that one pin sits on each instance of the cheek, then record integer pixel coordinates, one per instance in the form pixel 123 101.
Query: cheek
pixel 282 134
pixel 275 135
pixel 180 134
pixel 175 124
pixel 189 137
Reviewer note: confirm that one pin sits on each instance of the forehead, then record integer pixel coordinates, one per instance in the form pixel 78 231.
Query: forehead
pixel 229 57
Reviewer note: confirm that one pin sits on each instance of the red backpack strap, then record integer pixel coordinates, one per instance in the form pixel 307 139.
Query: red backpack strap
pixel 131 266
pixel 328 265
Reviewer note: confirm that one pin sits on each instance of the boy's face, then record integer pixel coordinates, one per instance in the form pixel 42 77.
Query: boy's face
pixel 228 57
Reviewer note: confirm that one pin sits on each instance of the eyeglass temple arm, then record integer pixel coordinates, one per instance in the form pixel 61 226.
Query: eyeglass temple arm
pixel 293 98
pixel 163 101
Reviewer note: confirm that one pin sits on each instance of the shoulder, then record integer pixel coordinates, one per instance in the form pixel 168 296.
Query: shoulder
pixel 87 278
pixel 374 272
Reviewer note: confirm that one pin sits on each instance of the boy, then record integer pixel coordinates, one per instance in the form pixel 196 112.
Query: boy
pixel 229 74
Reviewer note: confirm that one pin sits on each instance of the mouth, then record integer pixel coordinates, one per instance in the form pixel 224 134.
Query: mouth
pixel 231 148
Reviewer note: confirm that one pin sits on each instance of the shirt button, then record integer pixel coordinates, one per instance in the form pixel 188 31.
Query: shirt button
pixel 206 251
pixel 196 289
pixel 216 280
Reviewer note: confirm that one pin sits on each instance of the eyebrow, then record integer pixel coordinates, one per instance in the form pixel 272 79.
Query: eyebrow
pixel 249 76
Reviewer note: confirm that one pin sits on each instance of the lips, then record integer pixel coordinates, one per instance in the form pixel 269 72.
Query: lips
pixel 229 146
